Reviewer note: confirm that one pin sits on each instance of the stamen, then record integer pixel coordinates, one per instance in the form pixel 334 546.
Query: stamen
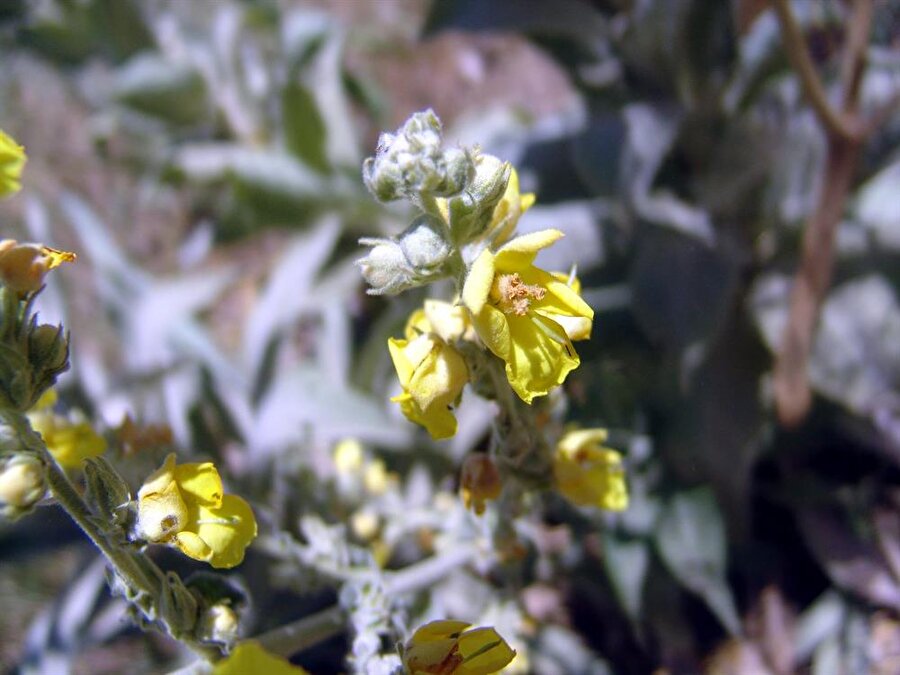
pixel 513 295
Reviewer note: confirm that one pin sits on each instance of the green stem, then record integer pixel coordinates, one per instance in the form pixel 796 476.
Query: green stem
pixel 68 498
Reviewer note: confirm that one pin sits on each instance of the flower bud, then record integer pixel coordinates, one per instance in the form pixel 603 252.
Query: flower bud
pixel 480 481
pixel 471 212
pixel 47 347
pixel 411 163
pixel 386 268
pixel 219 623
pixel 423 243
pixel 22 482
pixel 24 266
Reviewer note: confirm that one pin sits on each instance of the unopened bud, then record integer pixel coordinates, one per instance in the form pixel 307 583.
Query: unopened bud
pixel 411 162
pixel 22 482
pixel 471 211
pixel 423 243
pixel 480 482
pixel 24 266
pixel 386 268
pixel 365 524
pixel 220 623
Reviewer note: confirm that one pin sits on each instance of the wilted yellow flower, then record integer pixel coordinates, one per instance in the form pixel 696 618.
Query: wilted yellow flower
pixel 249 657
pixel 69 439
pixel 24 266
pixel 524 315
pixel 479 481
pixel 447 648
pixel 431 372
pixel 508 211
pixel 12 160
pixel 588 474
pixel 185 506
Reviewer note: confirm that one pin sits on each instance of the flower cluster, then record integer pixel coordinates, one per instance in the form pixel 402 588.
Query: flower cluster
pixel 184 505
pixel 431 371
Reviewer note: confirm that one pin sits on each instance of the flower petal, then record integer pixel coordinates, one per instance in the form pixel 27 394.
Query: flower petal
pixel 226 532
pixel 438 421
pixel 541 358
pixel 518 254
pixel 478 282
pixel 250 657
pixel 493 329
pixel 159 479
pixel 560 297
pixel 483 652
pixel 574 441
pixel 200 483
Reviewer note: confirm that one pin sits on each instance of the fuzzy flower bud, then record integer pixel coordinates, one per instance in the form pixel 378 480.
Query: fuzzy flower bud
pixel 411 162
pixel 412 259
pixel 423 243
pixel 470 213
pixel 386 268
pixel 22 482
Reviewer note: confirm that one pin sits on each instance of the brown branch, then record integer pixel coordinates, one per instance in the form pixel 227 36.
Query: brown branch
pixel 845 135
pixel 798 54
pixel 855 54
pixel 791 382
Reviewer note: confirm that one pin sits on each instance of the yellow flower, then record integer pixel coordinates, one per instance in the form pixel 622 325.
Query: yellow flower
pixel 249 657
pixel 12 160
pixel 588 474
pixel 185 506
pixel 447 648
pixel 480 482
pixel 24 266
pixel 70 441
pixel 508 211
pixel 431 372
pixel 526 316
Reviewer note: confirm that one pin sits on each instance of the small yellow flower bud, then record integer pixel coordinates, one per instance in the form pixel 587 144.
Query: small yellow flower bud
pixel 220 623
pixel 376 478
pixel 348 456
pixel 22 482
pixel 365 524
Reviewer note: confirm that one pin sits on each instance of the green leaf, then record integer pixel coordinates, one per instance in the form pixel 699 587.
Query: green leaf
pixel 304 129
pixel 172 92
pixel 690 538
pixel 626 563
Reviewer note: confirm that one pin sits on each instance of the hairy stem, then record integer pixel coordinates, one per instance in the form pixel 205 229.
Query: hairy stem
pixel 310 630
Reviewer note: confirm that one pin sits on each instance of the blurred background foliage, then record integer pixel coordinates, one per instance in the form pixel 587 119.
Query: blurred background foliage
pixel 203 160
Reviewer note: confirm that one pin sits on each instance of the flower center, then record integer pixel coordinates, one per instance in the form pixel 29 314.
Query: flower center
pixel 514 296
